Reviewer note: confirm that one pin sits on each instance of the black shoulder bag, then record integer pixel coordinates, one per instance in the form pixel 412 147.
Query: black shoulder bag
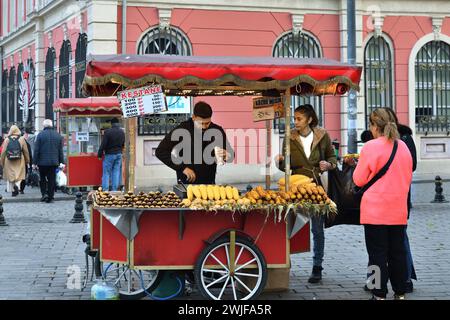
pixel 347 196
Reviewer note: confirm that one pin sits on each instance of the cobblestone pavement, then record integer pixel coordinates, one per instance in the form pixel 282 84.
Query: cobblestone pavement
pixel 40 244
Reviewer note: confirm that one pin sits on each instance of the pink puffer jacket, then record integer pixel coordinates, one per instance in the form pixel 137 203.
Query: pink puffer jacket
pixel 385 203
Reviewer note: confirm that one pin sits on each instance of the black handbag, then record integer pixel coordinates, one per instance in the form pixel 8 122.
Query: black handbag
pixel 347 196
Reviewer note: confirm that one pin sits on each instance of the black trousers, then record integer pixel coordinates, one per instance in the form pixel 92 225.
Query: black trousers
pixel 48 180
pixel 386 248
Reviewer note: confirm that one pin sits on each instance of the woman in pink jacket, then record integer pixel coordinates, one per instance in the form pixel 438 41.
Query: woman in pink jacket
pixel 384 205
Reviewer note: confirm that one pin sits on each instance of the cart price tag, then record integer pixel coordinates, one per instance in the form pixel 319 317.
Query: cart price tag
pixel 82 136
pixel 267 108
pixel 142 101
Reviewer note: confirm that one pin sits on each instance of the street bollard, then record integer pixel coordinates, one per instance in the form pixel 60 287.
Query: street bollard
pixel 249 187
pixel 2 218
pixel 438 197
pixel 78 216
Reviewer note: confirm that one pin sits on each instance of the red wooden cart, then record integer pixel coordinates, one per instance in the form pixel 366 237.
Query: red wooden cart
pixel 80 121
pixel 229 253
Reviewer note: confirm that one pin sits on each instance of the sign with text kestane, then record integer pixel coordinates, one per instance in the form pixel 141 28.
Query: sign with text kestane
pixel 141 101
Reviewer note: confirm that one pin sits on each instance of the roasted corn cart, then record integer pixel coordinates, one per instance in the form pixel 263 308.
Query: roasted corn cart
pixel 230 241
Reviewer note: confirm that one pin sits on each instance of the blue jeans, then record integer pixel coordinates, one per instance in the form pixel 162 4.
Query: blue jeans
pixel 411 272
pixel 112 164
pixel 317 229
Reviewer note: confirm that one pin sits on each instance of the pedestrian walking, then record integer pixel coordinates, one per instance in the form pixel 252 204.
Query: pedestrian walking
pixel 28 168
pixel 311 154
pixel 384 206
pixel 48 155
pixel 112 145
pixel 14 159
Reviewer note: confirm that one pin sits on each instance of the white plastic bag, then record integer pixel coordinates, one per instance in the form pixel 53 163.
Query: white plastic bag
pixel 61 179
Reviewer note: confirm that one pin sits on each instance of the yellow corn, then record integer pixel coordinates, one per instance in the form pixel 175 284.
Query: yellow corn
pixel 210 191
pixel 216 192
pixel 229 192
pixel 203 191
pixel 235 193
pixel 196 191
pixel 190 193
pixel 223 193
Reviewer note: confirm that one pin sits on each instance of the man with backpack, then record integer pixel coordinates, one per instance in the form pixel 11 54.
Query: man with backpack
pixel 48 155
pixel 14 158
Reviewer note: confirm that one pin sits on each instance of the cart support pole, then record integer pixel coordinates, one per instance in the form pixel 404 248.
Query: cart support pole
pixel 287 138
pixel 130 152
pixel 268 151
pixel 232 250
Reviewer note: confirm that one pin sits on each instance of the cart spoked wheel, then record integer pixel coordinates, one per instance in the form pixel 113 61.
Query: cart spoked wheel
pixel 130 282
pixel 231 269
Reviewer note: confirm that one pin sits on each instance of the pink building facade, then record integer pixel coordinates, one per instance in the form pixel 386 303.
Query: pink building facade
pixel 406 61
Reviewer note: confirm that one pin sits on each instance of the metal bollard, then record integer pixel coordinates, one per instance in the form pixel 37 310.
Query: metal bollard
pixel 78 216
pixel 2 218
pixel 438 197
pixel 249 187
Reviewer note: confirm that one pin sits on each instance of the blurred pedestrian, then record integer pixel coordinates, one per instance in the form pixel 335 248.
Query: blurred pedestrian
pixel 28 168
pixel 14 159
pixel 48 155
pixel 112 145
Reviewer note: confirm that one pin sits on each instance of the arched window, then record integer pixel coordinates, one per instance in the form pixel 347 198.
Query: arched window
pixel 377 75
pixel 19 80
pixel 170 41
pixel 50 83
pixel 432 87
pixel 298 45
pixel 12 96
pixel 4 100
pixel 80 63
pixel 64 70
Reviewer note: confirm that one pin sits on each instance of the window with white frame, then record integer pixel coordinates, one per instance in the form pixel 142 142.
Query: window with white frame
pixel 12 15
pixel 298 45
pixel 377 75
pixel 432 87
pixel 5 19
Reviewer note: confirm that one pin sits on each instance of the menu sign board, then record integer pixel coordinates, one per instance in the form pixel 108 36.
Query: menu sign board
pixel 267 108
pixel 141 101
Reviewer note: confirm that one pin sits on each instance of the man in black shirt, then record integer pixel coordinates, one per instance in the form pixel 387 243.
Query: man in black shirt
pixel 112 145
pixel 195 147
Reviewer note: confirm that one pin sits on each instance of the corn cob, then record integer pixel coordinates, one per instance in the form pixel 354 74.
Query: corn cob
pixel 229 192
pixel 216 190
pixel 203 191
pixel 235 193
pixel 210 191
pixel 196 191
pixel 223 193
pixel 190 193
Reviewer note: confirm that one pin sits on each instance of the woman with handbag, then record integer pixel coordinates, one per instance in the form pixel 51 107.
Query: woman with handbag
pixel 311 154
pixel 384 207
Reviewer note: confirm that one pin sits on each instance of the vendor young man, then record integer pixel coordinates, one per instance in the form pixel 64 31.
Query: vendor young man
pixel 195 147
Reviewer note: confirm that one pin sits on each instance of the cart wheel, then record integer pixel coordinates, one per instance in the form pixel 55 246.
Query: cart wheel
pixel 128 281
pixel 213 276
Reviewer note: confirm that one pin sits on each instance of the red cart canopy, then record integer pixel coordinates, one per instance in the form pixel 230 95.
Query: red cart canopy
pixel 201 75
pixel 93 104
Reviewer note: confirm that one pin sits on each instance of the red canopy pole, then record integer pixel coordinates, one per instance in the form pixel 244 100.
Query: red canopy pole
pixel 287 138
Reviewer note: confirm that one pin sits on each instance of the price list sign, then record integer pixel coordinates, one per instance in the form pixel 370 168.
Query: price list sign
pixel 142 101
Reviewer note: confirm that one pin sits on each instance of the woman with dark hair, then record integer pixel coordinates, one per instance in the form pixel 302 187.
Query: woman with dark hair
pixel 384 207
pixel 311 154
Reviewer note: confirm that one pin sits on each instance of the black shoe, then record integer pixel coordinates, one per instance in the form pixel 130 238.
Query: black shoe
pixel 49 200
pixel 374 297
pixel 44 198
pixel 21 192
pixel 316 274
pixel 366 288
pixel 409 286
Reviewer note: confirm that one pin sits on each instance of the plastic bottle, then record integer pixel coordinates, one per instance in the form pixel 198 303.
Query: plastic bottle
pixel 103 291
